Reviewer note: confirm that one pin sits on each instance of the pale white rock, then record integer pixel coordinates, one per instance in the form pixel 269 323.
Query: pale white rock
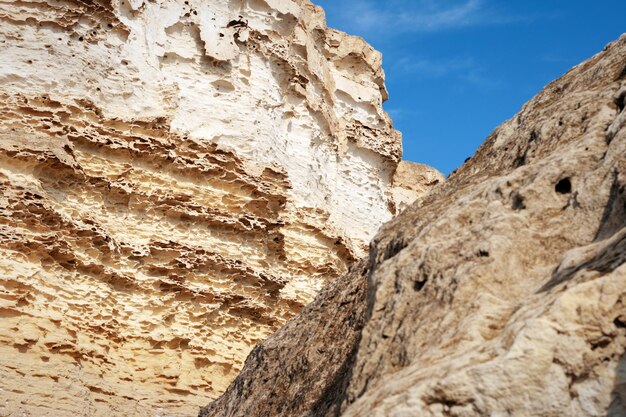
pixel 179 178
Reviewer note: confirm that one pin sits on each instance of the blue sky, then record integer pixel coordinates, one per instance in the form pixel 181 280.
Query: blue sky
pixel 456 69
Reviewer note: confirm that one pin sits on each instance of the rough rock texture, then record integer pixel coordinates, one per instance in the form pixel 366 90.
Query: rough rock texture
pixel 178 179
pixel 412 179
pixel 502 293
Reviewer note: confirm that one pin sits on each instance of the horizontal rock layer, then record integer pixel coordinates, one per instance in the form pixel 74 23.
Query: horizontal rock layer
pixel 501 293
pixel 179 178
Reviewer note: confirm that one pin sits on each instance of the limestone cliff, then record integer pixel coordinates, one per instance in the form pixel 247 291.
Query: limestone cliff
pixel 502 293
pixel 179 178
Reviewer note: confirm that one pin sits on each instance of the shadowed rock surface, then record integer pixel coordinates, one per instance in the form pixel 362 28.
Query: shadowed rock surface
pixel 295 372
pixel 501 293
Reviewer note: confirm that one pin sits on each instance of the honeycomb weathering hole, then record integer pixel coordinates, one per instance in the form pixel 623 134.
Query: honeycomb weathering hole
pixel 564 186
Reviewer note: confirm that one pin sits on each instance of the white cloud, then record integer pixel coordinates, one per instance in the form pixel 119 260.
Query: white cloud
pixel 396 17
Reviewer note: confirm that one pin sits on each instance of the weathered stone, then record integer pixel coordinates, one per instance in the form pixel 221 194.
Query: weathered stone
pixel 412 180
pixel 501 293
pixel 178 179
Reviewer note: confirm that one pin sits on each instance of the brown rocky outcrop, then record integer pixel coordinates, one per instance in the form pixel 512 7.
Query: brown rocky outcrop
pixel 178 179
pixel 501 293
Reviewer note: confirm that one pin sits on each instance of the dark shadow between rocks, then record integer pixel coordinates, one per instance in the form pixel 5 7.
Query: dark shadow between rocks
pixel 614 216
pixel 612 226
pixel 329 405
pixel 606 260
pixel 618 395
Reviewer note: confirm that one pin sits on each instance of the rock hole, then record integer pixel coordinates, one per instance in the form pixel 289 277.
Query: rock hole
pixel 80 38
pixel 518 202
pixel 619 323
pixel 600 344
pixel 418 285
pixel 564 186
pixel 236 23
pixel 620 101
pixel 520 160
pixel 483 254
pixel 223 86
pixel 221 35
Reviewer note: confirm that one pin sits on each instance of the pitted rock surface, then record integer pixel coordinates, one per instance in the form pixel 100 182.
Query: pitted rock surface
pixel 179 178
pixel 500 293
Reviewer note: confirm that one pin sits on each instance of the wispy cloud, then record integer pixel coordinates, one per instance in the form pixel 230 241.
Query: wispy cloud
pixel 464 70
pixel 400 113
pixel 432 68
pixel 397 17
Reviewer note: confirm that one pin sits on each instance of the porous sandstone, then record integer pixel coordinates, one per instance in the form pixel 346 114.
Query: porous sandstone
pixel 179 178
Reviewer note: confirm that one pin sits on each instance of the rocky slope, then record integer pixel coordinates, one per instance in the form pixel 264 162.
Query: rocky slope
pixel 502 293
pixel 178 179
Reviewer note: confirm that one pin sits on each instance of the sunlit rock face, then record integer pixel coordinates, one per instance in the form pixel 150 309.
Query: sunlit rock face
pixel 178 179
pixel 412 180
pixel 500 293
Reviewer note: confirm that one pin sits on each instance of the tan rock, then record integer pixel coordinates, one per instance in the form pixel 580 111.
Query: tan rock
pixel 412 180
pixel 501 293
pixel 178 179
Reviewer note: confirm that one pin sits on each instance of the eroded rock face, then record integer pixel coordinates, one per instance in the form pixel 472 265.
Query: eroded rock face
pixel 502 293
pixel 178 179
pixel 412 180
